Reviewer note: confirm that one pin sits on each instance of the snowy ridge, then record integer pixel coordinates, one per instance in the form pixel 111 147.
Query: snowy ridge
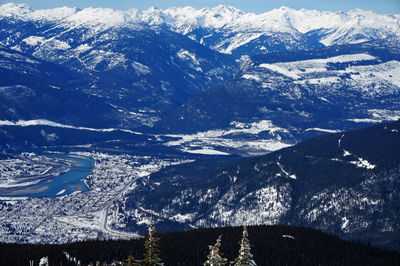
pixel 237 27
pixel 342 27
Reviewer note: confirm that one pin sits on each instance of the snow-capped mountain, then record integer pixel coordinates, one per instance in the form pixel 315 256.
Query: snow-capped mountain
pixel 285 19
pixel 183 70
pixel 226 29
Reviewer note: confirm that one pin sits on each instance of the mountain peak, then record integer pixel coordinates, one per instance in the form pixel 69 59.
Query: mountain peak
pixel 99 16
pixel 24 12
pixel 285 8
pixel 12 9
pixel 227 9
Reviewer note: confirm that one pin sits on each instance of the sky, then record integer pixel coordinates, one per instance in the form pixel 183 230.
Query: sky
pixel 256 6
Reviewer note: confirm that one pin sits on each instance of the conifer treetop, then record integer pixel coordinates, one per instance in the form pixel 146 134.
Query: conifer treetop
pixel 245 258
pixel 152 255
pixel 214 258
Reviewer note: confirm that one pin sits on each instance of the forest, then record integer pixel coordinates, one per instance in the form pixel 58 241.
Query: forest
pixel 270 245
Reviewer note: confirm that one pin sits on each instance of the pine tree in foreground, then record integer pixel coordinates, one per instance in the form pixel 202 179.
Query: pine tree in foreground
pixel 245 258
pixel 214 258
pixel 151 257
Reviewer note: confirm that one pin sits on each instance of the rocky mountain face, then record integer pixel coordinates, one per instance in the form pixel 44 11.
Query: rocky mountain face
pixel 343 183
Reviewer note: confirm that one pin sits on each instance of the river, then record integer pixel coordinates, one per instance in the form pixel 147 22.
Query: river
pixel 56 186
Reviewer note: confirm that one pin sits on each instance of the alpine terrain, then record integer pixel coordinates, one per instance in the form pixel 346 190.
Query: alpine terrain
pixel 111 120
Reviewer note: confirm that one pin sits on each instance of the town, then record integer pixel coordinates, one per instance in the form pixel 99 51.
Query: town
pixel 79 215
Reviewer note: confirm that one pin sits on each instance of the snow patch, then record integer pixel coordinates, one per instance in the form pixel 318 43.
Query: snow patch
pixel 323 130
pixel 288 236
pixel 292 73
pixel 385 115
pixel 34 40
pixel 44 122
pixel 182 218
pixel 292 176
pixel 186 55
pixel 250 76
pixel 51 43
pixel 362 163
pixel 346 153
pixel 320 81
pixel 206 151
pixel 345 223
pixel 364 120
pixel 61 192
pixel 141 69
pixel 83 48
pixel 239 39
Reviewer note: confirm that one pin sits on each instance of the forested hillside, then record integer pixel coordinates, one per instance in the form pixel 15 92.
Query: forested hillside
pixel 270 245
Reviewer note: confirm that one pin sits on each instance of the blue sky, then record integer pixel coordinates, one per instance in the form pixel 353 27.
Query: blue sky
pixel 257 6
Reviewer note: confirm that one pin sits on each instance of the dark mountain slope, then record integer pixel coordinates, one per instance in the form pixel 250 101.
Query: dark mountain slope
pixel 344 183
pixel 136 71
pixel 31 89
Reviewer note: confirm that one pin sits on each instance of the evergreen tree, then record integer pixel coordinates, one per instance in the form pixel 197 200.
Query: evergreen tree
pixel 245 258
pixel 151 257
pixel 130 261
pixel 214 258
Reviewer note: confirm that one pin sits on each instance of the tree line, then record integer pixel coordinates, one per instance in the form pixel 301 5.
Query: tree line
pixel 270 245
pixel 214 258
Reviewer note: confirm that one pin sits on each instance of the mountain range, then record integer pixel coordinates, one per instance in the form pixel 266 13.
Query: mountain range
pixel 185 71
